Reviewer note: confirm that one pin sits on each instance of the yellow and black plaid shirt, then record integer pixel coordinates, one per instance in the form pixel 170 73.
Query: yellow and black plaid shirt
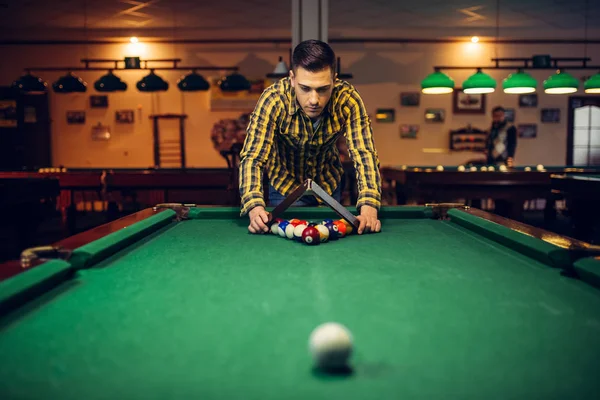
pixel 280 138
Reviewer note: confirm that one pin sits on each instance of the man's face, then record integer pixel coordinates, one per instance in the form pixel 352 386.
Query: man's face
pixel 313 89
pixel 498 117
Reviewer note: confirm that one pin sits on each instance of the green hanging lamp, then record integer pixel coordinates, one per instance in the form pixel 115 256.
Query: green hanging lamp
pixel 110 83
pixel 437 83
pixel 29 84
pixel 193 82
pixel 519 83
pixel 479 83
pixel 69 83
pixel 592 85
pixel 234 83
pixel 152 83
pixel 561 83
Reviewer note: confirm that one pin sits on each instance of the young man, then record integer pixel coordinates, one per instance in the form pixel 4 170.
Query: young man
pixel 293 131
pixel 502 140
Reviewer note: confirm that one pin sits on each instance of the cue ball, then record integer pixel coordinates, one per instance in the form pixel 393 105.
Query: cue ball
pixel 331 345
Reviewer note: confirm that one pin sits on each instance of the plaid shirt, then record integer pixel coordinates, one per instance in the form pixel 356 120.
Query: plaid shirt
pixel 280 138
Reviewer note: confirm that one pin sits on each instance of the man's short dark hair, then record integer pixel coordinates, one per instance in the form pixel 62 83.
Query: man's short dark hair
pixel 313 56
pixel 498 108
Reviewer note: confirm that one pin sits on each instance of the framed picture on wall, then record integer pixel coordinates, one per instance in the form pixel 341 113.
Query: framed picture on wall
pixel 465 103
pixel 385 115
pixel 410 99
pixel 75 117
pixel 528 100
pixel 124 116
pixel 551 115
pixel 409 131
pixel 99 101
pixel 435 115
pixel 527 131
pixel 509 114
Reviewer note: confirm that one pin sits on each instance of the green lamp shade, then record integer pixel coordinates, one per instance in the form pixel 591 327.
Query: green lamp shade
pixel 592 85
pixel 234 83
pixel 152 83
pixel 561 83
pixel 478 83
pixel 69 84
pixel 437 83
pixel 110 83
pixel 519 83
pixel 30 83
pixel 192 83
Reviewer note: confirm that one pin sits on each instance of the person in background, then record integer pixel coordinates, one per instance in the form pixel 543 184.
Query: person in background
pixel 501 143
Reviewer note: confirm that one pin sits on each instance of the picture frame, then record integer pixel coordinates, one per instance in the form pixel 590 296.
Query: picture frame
pixel 75 117
pixel 435 115
pixel 409 131
pixel 410 99
pixel 385 115
pixel 124 116
pixel 466 103
pixel 550 115
pixel 528 100
pixel 99 101
pixel 509 114
pixel 527 131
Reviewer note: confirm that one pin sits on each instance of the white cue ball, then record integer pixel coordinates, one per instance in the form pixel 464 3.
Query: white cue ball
pixel 275 228
pixel 331 345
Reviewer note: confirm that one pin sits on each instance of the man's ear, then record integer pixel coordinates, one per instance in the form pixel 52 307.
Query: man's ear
pixel 292 76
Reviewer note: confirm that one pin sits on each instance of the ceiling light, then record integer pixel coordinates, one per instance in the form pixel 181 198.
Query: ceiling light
pixel 479 83
pixel 519 83
pixel 561 83
pixel 437 83
pixel 592 85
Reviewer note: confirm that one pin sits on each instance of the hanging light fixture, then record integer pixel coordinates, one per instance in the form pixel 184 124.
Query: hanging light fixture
pixel 519 83
pixel 479 83
pixel 281 70
pixel 110 83
pixel 592 84
pixel 152 83
pixel 561 83
pixel 234 82
pixel 437 83
pixel 69 83
pixel 29 83
pixel 193 82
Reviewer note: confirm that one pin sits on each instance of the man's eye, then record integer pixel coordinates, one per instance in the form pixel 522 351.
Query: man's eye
pixel 304 89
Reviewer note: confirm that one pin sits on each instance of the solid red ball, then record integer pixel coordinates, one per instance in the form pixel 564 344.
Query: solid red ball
pixel 311 236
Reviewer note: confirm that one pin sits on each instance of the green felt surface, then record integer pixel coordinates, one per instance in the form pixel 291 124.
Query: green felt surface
pixel 201 309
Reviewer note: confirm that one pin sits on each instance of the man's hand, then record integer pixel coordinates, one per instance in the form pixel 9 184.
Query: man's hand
pixel 258 220
pixel 368 220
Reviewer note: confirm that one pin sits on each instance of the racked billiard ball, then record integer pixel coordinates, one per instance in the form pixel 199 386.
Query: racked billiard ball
pixel 311 235
pixel 298 231
pixel 334 233
pixel 323 232
pixel 282 227
pixel 341 227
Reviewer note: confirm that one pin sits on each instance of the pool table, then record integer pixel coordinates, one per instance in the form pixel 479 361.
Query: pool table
pixel 582 193
pixel 181 302
pixel 511 188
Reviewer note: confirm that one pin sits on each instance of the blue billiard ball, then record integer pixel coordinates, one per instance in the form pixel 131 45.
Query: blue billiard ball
pixel 282 225
pixel 334 233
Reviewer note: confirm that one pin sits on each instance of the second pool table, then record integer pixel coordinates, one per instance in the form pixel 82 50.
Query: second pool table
pixel 182 302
